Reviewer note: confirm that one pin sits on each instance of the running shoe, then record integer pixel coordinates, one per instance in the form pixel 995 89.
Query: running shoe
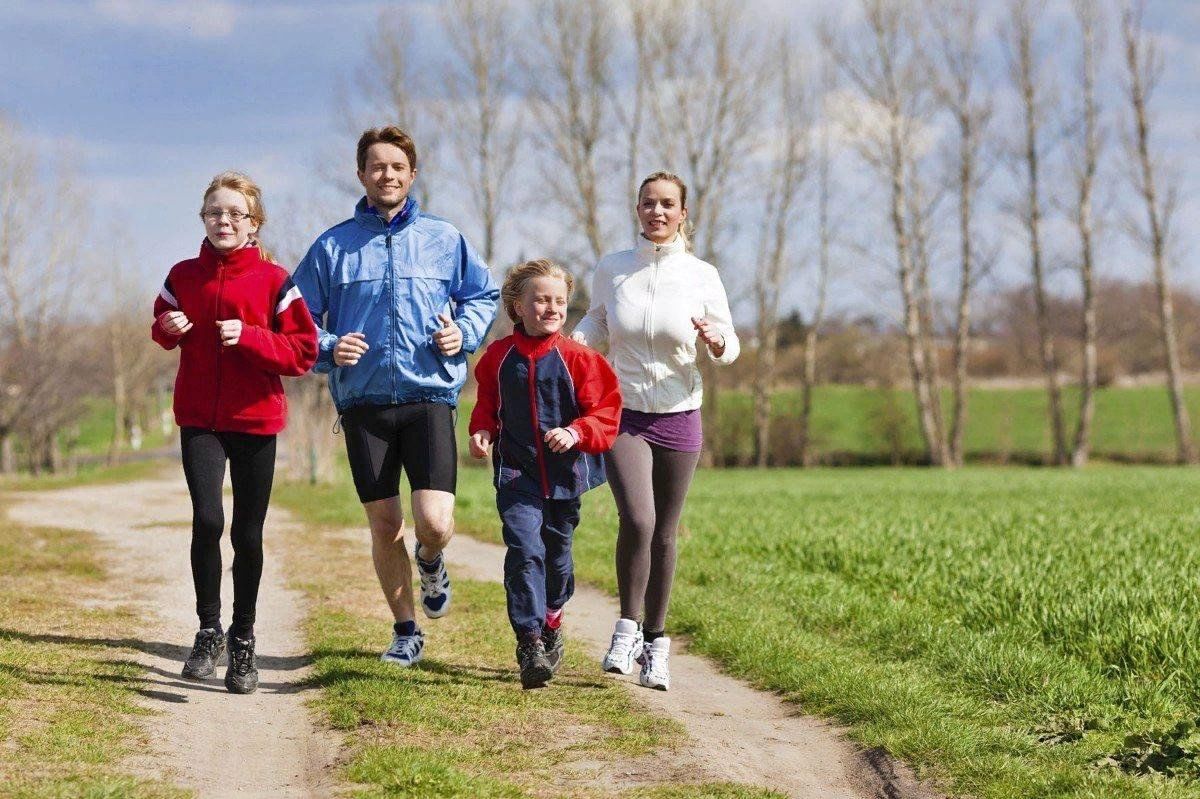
pixel 552 643
pixel 655 657
pixel 241 677
pixel 206 652
pixel 625 649
pixel 405 649
pixel 435 585
pixel 535 666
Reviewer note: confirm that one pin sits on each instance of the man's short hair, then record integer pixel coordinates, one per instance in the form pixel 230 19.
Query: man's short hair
pixel 389 134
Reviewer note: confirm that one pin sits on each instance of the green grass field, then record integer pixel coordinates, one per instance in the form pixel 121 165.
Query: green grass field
pixel 1011 632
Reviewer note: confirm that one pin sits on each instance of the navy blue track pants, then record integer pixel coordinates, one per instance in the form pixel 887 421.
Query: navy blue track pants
pixel 538 570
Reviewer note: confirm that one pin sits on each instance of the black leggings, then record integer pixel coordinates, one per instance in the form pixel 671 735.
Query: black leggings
pixel 251 470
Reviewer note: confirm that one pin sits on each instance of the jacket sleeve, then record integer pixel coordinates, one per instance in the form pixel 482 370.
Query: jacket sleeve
pixel 486 413
pixel 716 309
pixel 474 294
pixel 599 396
pixel 165 301
pixel 312 279
pixel 290 346
pixel 592 330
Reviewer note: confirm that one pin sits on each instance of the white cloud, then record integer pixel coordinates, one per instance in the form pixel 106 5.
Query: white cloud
pixel 201 19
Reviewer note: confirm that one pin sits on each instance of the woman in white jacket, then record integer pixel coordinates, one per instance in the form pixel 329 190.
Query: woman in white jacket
pixel 651 305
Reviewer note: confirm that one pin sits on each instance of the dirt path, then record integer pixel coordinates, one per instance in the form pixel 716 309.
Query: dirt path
pixel 738 734
pixel 266 744
pixel 201 736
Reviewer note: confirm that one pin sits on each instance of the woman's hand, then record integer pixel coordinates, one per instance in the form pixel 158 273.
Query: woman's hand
pixel 230 330
pixel 560 439
pixel 711 337
pixel 175 322
pixel 479 444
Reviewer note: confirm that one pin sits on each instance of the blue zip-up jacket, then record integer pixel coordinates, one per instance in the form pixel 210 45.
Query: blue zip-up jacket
pixel 390 282
pixel 530 385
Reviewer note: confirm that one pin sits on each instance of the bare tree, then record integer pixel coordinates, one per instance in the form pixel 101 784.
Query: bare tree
pixel 706 111
pixel 1026 73
pixel 808 376
pixel 1086 165
pixel 570 101
pixel 787 171
pixel 957 25
pixel 888 69
pixel 1143 63
pixel 646 20
pixel 481 123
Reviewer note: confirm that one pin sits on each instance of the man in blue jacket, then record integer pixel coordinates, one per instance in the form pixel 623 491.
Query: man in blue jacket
pixel 399 298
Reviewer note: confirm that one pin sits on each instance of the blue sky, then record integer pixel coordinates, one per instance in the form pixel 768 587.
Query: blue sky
pixel 140 102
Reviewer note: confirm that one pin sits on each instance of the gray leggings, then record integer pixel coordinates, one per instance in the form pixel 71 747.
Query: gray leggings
pixel 649 483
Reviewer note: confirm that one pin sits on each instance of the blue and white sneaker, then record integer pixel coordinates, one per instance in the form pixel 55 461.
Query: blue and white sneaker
pixel 435 585
pixel 405 649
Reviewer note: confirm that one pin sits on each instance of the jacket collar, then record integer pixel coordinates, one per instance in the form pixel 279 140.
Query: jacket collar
pixel 647 249
pixel 366 216
pixel 533 346
pixel 234 262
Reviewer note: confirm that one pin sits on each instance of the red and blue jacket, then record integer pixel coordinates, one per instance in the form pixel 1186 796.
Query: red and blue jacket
pixel 235 389
pixel 530 385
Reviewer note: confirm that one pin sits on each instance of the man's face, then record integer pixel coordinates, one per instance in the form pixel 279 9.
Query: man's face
pixel 387 177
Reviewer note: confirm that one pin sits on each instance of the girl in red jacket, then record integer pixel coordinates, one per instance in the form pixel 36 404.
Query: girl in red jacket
pixel 239 323
pixel 549 407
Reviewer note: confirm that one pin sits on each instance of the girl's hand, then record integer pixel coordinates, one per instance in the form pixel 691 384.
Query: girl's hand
pixel 711 337
pixel 560 439
pixel 175 322
pixel 231 331
pixel 479 444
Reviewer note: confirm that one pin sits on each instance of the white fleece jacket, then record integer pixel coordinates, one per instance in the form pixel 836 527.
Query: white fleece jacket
pixel 643 301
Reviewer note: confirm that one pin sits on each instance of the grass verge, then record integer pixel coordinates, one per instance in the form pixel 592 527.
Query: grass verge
pixel 460 725
pixel 68 687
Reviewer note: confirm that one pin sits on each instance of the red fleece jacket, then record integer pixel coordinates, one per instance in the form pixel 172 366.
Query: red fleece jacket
pixel 235 389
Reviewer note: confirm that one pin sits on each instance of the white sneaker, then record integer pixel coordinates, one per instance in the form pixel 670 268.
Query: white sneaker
pixel 625 649
pixel 405 649
pixel 655 655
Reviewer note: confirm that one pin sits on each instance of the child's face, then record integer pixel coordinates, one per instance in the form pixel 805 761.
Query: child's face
pixel 543 305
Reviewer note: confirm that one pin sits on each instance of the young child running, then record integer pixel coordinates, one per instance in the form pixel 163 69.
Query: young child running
pixel 239 323
pixel 550 406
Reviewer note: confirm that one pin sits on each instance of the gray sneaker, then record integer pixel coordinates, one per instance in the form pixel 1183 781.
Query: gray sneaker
pixel 552 642
pixel 535 666
pixel 206 651
pixel 405 649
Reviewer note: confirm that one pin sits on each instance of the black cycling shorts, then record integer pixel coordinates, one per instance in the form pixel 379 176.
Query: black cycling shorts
pixel 416 436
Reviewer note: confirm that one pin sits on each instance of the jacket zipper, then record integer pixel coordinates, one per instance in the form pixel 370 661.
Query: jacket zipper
pixel 220 344
pixel 391 315
pixel 537 437
pixel 650 321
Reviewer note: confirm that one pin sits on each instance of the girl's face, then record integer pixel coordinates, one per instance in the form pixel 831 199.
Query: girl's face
pixel 660 211
pixel 227 220
pixel 542 307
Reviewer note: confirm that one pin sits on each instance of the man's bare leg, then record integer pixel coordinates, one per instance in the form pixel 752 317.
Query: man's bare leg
pixel 433 518
pixel 390 557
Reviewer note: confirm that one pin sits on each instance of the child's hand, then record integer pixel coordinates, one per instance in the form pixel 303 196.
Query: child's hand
pixel 560 439
pixel 230 331
pixel 175 322
pixel 479 444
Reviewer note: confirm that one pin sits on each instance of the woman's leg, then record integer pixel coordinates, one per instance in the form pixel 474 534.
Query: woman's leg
pixel 672 475
pixel 204 469
pixel 629 466
pixel 251 471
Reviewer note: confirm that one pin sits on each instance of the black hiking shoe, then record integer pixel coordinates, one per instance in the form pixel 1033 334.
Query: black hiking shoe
pixel 241 677
pixel 552 642
pixel 535 666
pixel 206 651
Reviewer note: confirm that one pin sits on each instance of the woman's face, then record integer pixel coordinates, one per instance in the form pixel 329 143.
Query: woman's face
pixel 660 211
pixel 227 221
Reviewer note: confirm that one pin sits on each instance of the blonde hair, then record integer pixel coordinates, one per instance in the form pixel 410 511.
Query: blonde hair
pixel 521 274
pixel 686 228
pixel 245 186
